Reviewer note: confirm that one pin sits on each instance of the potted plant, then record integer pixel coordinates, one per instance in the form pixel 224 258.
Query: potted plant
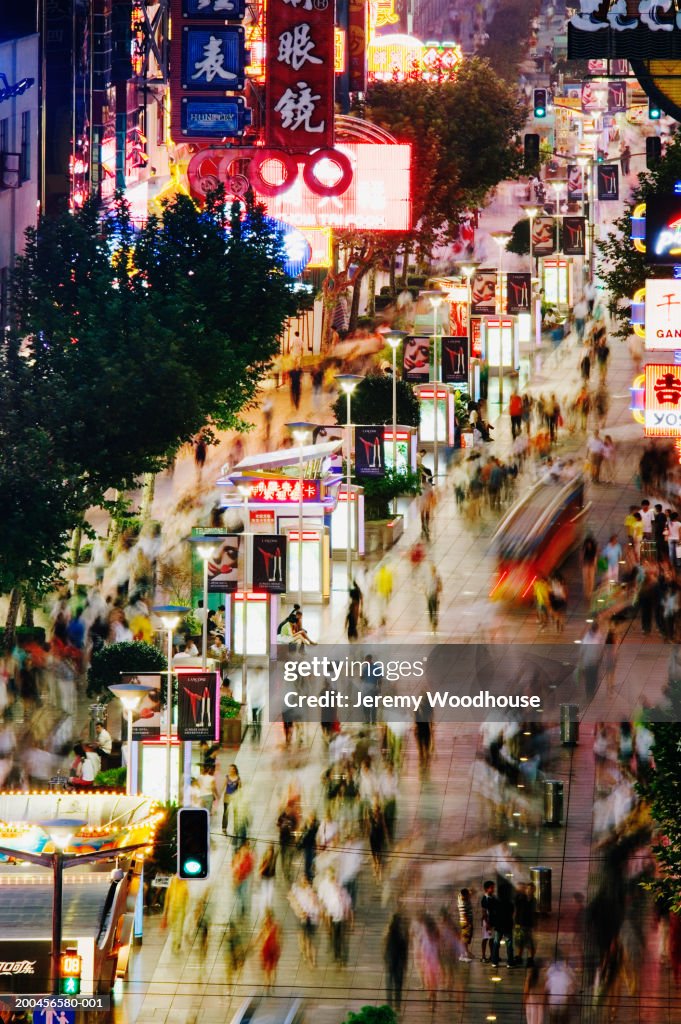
pixel 230 721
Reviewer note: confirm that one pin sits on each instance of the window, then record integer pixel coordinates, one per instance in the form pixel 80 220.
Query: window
pixel 25 162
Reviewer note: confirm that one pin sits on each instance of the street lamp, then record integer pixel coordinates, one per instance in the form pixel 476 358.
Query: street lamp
pixel 60 832
pixel 395 339
pixel 468 269
pixel 502 238
pixel 205 551
pixel 531 212
pixel 170 615
pixel 558 187
pixel 130 695
pixel 300 432
pixel 436 300
pixel 244 489
pixel 347 382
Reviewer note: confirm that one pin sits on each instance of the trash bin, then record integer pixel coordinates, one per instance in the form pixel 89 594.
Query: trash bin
pixel 541 879
pixel 553 802
pixel 569 724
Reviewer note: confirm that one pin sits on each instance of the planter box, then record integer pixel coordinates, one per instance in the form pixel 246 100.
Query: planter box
pixel 381 534
pixel 230 732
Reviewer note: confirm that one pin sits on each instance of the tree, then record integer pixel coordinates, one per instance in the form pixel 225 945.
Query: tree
pixel 621 266
pixel 122 345
pixel 519 242
pixel 372 402
pixel 108 662
pixel 372 1015
pixel 464 135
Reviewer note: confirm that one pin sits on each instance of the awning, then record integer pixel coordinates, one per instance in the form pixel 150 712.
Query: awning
pixel 285 457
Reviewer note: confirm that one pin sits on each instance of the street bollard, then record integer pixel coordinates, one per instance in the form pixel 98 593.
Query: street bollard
pixel 569 724
pixel 541 879
pixel 553 802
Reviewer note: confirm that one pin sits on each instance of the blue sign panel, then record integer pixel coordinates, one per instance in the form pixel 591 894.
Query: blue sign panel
pixel 230 10
pixel 50 1015
pixel 213 58
pixel 214 118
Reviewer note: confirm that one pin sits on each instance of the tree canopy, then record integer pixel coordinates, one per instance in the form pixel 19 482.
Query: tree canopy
pixel 372 402
pixel 464 135
pixel 621 266
pixel 122 345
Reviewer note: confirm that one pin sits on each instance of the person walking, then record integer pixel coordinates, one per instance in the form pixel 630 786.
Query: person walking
pixel 433 594
pixel 464 906
pixel 594 449
pixel 232 784
pixel 395 958
pixel 269 941
pixel 515 411
pixel 534 999
pixel 590 653
pixel 589 559
pixel 354 613
pixel 175 910
pixel 612 553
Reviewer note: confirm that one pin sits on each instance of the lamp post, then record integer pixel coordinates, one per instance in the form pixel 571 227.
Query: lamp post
pixel 300 432
pixel 502 238
pixel 60 832
pixel 170 615
pixel 205 551
pixel 348 383
pixel 468 269
pixel 436 301
pixel 531 212
pixel 130 695
pixel 395 339
pixel 244 490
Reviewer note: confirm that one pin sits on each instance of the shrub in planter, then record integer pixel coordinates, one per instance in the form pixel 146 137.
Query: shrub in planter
pixel 372 1015
pixel 112 778
pixel 380 491
pixel 108 662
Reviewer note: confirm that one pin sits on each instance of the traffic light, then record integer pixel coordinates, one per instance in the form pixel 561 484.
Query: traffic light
pixel 653 151
pixel 193 842
pixel 540 102
pixel 531 152
pixel 654 112
pixel 70 967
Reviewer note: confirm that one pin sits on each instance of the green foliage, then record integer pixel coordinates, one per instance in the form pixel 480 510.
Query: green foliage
pixel 121 347
pixel 519 242
pixel 464 136
pixel 163 858
pixel 108 662
pixel 192 626
pixel 372 402
pixel 112 778
pixel 620 265
pixel 372 1015
pixel 229 708
pixel 380 491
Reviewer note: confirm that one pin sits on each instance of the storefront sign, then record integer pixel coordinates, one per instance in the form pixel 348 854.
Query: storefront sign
pixel 197 706
pixel 229 10
pixel 662 400
pixel 518 293
pixel 663 230
pixel 574 236
pixel 224 567
pixel 663 314
pixel 213 58
pixel 484 292
pixel 454 357
pixel 269 563
pixel 357 40
pixel 369 451
pixel 214 118
pixel 543 236
pixel 416 359
pixel 300 77
pixel 607 181
pixel 284 490
pixel 24 965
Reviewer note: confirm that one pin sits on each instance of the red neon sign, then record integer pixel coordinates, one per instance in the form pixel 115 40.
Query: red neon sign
pixel 283 491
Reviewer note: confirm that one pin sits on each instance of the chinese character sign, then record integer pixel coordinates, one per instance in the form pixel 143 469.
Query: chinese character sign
pixel 300 80
pixel 663 401
pixel 357 40
pixel 229 10
pixel 518 293
pixel 197 695
pixel 369 451
pixel 574 236
pixel 213 58
pixel 663 314
pixel 269 563
pixel 454 360
pixel 278 491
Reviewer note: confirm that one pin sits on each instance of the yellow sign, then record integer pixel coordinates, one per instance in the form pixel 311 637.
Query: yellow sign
pixel 382 12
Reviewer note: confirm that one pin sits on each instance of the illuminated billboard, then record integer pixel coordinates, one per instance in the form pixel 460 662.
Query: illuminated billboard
pixel 663 400
pixel 663 230
pixel 663 314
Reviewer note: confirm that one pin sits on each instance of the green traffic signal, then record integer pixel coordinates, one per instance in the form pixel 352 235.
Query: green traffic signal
pixel 70 986
pixel 191 867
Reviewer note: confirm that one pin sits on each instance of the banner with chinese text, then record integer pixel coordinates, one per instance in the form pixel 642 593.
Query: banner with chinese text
pixel 300 79
pixel 663 400
pixel 269 563
pixel 369 451
pixel 357 41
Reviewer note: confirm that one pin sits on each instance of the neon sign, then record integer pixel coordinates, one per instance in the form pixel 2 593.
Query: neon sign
pixel 662 400
pixel 9 92
pixel 283 491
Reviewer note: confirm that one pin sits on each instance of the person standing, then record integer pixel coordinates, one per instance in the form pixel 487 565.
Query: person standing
pixel 175 910
pixel 489 905
pixel 589 559
pixel 594 448
pixel 515 411
pixel 464 906
pixel 612 553
pixel 232 784
pixel 503 928
pixel 353 617
pixel 660 533
pixel 433 594
pixel 590 653
pixel 395 958
pixel 525 923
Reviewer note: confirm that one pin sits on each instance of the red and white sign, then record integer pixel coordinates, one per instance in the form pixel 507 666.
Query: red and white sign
pixel 300 74
pixel 663 314
pixel 663 400
pixel 284 490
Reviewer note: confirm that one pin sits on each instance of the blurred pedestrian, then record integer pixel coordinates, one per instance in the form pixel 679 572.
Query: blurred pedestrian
pixel 269 941
pixel 232 784
pixel 175 910
pixel 589 559
pixel 534 999
pixel 464 906
pixel 395 957
pixel 433 594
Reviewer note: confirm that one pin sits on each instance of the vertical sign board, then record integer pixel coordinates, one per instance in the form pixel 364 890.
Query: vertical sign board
pixel 663 400
pixel 454 356
pixel 197 715
pixel 607 181
pixel 369 451
pixel 269 563
pixel 518 293
pixel 416 359
pixel 575 184
pixel 663 314
pixel 484 292
pixel 357 42
pixel 300 78
pixel 543 236
pixel 574 236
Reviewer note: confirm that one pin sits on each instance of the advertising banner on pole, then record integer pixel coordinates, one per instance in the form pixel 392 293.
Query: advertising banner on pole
pixel 575 183
pixel 454 357
pixel 146 719
pixel 369 451
pixel 607 181
pixel 300 79
pixel 484 292
pixel 269 563
pixel 543 236
pixel 574 236
pixel 225 568
pixel 416 359
pixel 357 41
pixel 518 293
pixel 197 706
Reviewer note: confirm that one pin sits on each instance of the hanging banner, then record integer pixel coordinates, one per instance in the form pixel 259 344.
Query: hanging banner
pixel 617 97
pixel 484 292
pixel 458 311
pixel 416 359
pixel 146 718
pixel 454 360
pixel 300 79
pixel 663 400
pixel 224 568
pixel 197 706
pixel 518 293
pixel 574 236
pixel 476 338
pixel 369 451
pixel 269 563
pixel 543 236
pixel 575 183
pixel 357 41
pixel 607 181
